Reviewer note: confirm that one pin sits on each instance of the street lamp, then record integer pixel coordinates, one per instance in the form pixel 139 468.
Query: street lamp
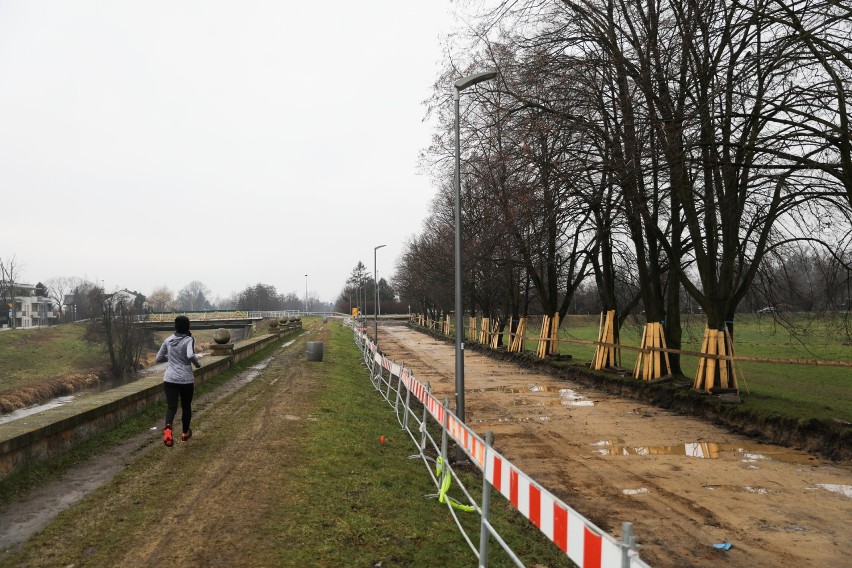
pixel 376 306
pixel 306 294
pixel 459 86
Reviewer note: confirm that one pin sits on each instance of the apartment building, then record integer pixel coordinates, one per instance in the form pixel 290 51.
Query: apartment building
pixel 31 308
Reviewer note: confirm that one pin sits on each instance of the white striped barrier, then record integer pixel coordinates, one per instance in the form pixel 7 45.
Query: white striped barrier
pixel 583 542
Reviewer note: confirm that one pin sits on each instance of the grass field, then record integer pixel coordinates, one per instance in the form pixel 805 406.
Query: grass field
pixel 329 493
pixel 802 391
pixel 30 356
pixel 39 364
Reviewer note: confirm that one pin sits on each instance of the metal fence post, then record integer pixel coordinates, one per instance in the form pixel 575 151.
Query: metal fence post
pixel 446 406
pixel 486 506
pixel 425 417
pixel 398 391
pixel 628 541
pixel 407 401
pixel 390 380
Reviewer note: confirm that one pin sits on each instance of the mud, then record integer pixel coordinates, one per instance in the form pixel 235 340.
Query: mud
pixel 683 481
pixel 25 517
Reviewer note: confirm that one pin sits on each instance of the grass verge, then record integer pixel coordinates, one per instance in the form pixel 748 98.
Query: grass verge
pixel 29 357
pixel 384 518
pixel 286 471
pixel 22 482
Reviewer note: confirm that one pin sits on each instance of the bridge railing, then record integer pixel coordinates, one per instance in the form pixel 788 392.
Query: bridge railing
pixel 206 315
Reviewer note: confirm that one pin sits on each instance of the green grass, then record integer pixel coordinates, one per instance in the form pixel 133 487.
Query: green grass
pixel 22 482
pixel 386 517
pixel 332 495
pixel 30 356
pixel 801 391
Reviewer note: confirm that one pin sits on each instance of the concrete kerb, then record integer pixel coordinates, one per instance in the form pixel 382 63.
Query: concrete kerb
pixel 55 431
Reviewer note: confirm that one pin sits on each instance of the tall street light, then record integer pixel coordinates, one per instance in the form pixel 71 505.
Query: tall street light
pixel 306 294
pixel 376 305
pixel 460 85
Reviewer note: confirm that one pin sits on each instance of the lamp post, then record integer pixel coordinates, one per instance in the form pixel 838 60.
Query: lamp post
pixel 376 306
pixel 306 294
pixel 459 86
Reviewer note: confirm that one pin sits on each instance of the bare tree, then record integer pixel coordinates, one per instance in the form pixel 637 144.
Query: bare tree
pixel 60 288
pixel 193 297
pixel 161 300
pixel 262 297
pixel 9 270
pixel 125 339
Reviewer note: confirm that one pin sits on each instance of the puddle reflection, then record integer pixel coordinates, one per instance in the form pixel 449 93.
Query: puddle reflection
pixel 747 453
pixel 842 489
pixel 567 397
pixel 30 410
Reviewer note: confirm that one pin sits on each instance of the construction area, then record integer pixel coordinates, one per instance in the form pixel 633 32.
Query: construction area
pixel 685 483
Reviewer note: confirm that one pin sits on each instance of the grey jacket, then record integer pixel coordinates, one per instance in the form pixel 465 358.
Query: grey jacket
pixel 179 350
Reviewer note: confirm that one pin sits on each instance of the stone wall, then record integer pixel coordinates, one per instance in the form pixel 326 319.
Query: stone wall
pixel 55 431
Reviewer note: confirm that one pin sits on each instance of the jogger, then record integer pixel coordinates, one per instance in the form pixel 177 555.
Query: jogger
pixel 178 381
pixel 184 392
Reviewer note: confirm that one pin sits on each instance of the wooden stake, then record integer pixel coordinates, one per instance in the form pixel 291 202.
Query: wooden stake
pixel 723 365
pixel 733 353
pixel 702 363
pixel 554 335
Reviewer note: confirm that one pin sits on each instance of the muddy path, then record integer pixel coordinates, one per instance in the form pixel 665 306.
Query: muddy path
pixel 684 483
pixel 25 517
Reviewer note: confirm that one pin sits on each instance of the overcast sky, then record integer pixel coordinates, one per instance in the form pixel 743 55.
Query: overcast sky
pixel 155 143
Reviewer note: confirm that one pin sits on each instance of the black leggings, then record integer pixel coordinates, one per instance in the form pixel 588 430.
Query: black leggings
pixel 173 391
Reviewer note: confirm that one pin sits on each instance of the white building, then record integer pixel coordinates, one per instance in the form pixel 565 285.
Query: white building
pixel 31 309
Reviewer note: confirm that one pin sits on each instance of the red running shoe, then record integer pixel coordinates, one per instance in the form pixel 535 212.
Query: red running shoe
pixel 184 438
pixel 167 436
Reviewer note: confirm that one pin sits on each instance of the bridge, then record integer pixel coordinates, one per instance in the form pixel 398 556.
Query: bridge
pixel 165 321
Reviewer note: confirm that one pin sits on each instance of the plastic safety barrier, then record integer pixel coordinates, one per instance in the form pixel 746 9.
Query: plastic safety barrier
pixel 584 543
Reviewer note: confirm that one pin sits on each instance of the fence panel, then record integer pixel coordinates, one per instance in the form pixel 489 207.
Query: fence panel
pixel 584 543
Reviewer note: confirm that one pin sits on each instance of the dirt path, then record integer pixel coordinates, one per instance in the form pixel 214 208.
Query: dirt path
pixel 24 518
pixel 686 484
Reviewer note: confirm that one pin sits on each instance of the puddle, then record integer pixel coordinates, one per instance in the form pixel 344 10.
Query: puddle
pixel 845 490
pixel 739 489
pixel 255 370
pixel 567 397
pixel 640 491
pixel 746 453
pixel 538 419
pixel 521 402
pixel 288 344
pixel 29 411
pixel 517 390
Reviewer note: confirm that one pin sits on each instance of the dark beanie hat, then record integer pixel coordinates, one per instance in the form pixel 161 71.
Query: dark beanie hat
pixel 182 324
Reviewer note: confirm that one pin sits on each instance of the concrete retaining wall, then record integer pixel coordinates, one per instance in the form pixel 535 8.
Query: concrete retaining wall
pixel 55 431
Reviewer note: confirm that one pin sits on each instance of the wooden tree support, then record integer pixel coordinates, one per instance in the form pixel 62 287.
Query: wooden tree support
pixel 447 324
pixel 485 332
pixel 548 342
pixel 651 364
pixel 495 334
pixel 554 335
pixel 471 329
pixel 607 355
pixel 716 370
pixel 519 340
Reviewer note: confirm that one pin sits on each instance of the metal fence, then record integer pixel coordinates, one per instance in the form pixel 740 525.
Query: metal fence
pixel 419 413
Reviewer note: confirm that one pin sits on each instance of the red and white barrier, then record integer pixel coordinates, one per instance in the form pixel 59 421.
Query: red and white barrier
pixel 584 543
